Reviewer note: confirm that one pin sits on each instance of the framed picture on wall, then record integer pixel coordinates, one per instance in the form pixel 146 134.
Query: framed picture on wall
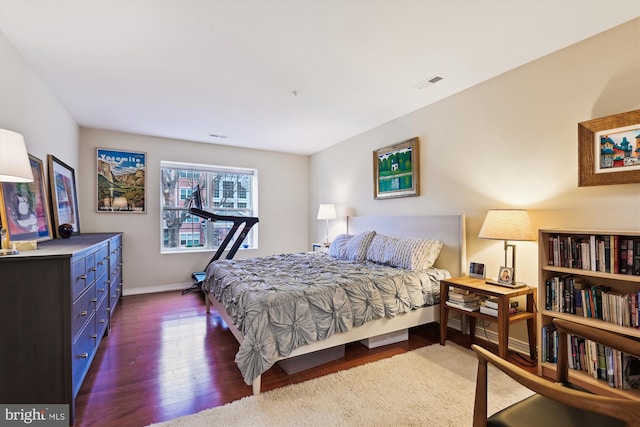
pixel 609 150
pixel 63 195
pixel 395 170
pixel 121 181
pixel 24 208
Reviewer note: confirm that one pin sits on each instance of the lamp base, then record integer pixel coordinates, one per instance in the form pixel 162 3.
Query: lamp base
pixel 506 285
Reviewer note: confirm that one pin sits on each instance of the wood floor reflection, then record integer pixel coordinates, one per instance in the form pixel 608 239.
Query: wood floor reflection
pixel 165 357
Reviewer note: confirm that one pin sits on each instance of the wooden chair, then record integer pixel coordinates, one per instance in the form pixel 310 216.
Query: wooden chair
pixel 557 404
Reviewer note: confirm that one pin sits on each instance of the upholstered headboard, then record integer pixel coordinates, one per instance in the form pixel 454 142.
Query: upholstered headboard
pixel 448 228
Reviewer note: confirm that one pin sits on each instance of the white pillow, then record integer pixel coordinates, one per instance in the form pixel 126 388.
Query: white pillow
pixel 356 248
pixel 338 248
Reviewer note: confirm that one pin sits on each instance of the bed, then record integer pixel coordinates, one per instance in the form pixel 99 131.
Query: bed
pixel 359 290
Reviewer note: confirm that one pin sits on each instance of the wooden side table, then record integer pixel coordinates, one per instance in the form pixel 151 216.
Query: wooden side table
pixel 503 294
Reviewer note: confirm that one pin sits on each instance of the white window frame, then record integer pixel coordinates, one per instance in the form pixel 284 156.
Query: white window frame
pixel 251 241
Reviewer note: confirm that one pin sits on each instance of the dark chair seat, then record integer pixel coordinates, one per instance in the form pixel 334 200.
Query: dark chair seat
pixel 559 403
pixel 538 411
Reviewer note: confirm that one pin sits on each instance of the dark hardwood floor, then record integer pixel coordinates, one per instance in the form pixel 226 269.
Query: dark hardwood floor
pixel 165 357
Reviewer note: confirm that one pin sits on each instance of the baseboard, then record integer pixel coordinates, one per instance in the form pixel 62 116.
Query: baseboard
pixel 153 289
pixel 492 336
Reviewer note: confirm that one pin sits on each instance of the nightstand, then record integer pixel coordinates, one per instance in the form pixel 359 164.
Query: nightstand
pixel 322 247
pixel 502 294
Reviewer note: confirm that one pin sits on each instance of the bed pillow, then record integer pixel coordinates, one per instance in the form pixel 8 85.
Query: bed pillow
pixel 356 248
pixel 410 253
pixel 377 251
pixel 338 248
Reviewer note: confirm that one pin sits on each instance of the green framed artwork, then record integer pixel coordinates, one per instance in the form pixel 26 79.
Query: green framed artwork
pixel 395 170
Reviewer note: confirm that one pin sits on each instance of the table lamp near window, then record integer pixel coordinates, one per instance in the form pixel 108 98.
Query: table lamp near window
pixel 14 167
pixel 327 212
pixel 507 224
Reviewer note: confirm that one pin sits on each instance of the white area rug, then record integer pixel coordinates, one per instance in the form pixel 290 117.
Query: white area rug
pixel 432 386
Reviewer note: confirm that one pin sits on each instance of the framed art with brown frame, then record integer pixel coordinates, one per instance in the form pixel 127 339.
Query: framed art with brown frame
pixel 24 207
pixel 63 195
pixel 395 170
pixel 609 150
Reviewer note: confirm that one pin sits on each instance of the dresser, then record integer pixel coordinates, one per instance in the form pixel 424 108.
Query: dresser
pixel 56 304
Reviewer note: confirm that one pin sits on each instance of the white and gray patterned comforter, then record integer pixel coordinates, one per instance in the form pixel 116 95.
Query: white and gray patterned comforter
pixel 282 302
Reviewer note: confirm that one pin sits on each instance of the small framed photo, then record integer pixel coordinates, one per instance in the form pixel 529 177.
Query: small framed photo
pixel 476 270
pixel 505 276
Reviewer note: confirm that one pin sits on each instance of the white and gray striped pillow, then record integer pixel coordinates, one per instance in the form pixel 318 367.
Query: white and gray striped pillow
pixel 410 253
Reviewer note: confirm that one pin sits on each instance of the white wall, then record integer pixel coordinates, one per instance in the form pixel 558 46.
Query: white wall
pixel 508 142
pixel 28 107
pixel 282 205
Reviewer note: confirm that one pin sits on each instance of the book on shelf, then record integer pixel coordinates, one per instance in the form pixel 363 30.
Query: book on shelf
pixel 471 306
pixel 613 367
pixel 463 297
pixel 574 295
pixel 616 254
pixel 494 311
pixel 460 291
pixel 492 302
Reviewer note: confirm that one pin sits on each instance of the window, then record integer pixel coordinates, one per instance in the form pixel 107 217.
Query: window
pixel 224 191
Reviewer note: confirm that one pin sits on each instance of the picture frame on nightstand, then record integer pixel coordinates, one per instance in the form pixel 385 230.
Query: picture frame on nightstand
pixel 476 270
pixel 505 276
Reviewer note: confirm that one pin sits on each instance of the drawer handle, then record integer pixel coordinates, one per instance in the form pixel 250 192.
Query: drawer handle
pixel 93 269
pixel 94 335
pixel 83 277
pixel 84 313
pixel 94 299
pixel 84 355
pixel 100 262
pixel 108 309
pixel 102 320
pixel 108 282
pixel 101 290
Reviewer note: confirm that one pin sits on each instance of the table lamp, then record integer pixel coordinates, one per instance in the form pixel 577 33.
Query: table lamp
pixel 507 224
pixel 14 167
pixel 327 212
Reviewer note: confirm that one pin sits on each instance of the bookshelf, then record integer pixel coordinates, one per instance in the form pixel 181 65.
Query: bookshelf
pixel 577 264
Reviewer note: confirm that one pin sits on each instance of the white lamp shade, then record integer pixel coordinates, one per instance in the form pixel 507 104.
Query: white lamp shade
pixel 14 159
pixel 507 224
pixel 327 211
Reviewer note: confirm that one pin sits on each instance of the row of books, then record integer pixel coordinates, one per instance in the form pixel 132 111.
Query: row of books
pixel 470 301
pixel 463 299
pixel 617 369
pixel 609 254
pixel 573 295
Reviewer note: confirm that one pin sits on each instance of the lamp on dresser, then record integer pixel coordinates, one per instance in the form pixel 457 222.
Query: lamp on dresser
pixel 14 167
pixel 507 224
pixel 327 211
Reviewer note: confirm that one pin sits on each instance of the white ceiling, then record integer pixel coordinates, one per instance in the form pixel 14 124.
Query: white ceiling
pixel 188 69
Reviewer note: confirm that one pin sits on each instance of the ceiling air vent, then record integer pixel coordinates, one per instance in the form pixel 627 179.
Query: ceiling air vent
pixel 428 82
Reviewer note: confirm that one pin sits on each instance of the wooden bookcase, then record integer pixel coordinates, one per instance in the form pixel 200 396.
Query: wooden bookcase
pixel 564 265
